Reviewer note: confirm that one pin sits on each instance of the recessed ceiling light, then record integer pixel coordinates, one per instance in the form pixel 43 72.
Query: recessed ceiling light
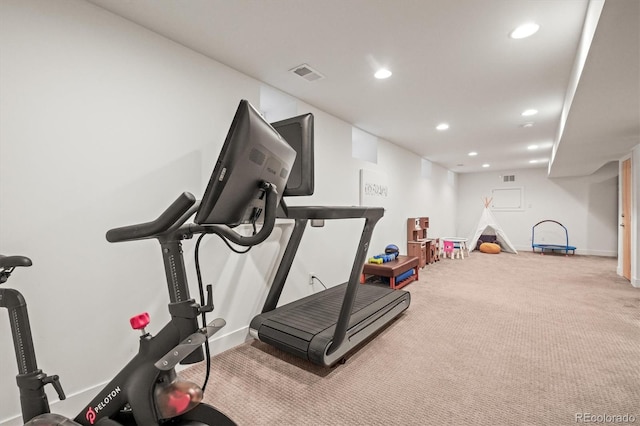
pixel 486 165
pixel 529 112
pixel 533 161
pixel 525 30
pixel 442 126
pixel 527 124
pixel 382 73
pixel 472 154
pixel 532 147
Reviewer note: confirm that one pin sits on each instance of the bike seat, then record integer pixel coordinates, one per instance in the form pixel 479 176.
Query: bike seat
pixel 13 261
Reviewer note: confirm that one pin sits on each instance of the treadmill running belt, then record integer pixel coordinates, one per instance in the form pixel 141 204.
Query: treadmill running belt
pixel 316 314
pixel 306 327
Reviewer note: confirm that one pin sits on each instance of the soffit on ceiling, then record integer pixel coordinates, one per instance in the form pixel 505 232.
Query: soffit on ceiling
pixel 452 61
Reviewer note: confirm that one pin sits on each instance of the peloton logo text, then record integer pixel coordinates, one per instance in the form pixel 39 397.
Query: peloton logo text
pixel 92 411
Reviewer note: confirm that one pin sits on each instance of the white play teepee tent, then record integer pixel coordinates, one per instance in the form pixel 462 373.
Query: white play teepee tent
pixel 488 225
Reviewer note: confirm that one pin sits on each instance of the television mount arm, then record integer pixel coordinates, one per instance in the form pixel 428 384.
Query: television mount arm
pixel 270 209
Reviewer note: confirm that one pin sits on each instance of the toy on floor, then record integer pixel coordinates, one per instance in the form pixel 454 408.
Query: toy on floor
pixel 553 247
pixel 453 249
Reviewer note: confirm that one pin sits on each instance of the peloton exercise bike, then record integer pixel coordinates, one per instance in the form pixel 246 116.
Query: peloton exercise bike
pixel 245 188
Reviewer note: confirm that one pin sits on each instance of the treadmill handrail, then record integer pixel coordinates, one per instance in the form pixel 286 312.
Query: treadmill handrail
pixel 333 212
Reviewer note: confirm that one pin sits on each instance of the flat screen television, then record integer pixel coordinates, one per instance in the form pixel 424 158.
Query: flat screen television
pixel 253 152
pixel 298 132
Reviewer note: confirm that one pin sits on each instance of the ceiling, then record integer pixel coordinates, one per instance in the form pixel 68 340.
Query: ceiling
pixel 452 61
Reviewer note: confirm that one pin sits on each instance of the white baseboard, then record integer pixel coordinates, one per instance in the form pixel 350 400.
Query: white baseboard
pixel 229 340
pixel 75 402
pixel 603 253
pixel 578 251
pixel 70 407
pixel 12 421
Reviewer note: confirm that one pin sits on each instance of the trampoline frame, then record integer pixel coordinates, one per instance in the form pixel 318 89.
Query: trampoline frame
pixel 553 247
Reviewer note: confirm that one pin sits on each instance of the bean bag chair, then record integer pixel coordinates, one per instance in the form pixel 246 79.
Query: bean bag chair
pixel 490 248
pixel 486 239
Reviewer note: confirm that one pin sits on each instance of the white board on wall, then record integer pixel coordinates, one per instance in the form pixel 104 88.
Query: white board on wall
pixel 374 188
pixel 507 199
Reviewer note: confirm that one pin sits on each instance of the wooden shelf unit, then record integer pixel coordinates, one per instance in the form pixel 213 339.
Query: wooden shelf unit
pixel 417 228
pixel 418 249
pixel 418 245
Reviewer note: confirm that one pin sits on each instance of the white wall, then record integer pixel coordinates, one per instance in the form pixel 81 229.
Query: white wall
pixel 337 183
pixel 103 124
pixel 586 206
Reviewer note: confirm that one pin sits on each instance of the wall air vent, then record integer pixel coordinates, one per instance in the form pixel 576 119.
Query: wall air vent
pixel 509 178
pixel 306 72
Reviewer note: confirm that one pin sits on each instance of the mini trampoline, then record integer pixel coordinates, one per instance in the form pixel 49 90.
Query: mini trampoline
pixel 551 247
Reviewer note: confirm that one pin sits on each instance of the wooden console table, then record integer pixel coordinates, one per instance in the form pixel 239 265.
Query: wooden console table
pixel 392 269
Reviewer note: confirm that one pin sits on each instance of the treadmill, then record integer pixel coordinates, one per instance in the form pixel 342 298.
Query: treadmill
pixel 324 327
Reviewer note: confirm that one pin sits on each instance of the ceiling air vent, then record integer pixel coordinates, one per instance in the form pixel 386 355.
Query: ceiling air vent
pixel 306 72
pixel 509 178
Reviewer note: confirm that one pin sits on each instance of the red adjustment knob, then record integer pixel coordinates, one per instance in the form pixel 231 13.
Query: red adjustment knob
pixel 140 321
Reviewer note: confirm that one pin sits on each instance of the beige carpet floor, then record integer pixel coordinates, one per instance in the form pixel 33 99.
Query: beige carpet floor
pixel 489 340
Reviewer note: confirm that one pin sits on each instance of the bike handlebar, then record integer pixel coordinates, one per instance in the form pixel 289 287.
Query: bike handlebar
pixel 183 207
pixel 163 223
